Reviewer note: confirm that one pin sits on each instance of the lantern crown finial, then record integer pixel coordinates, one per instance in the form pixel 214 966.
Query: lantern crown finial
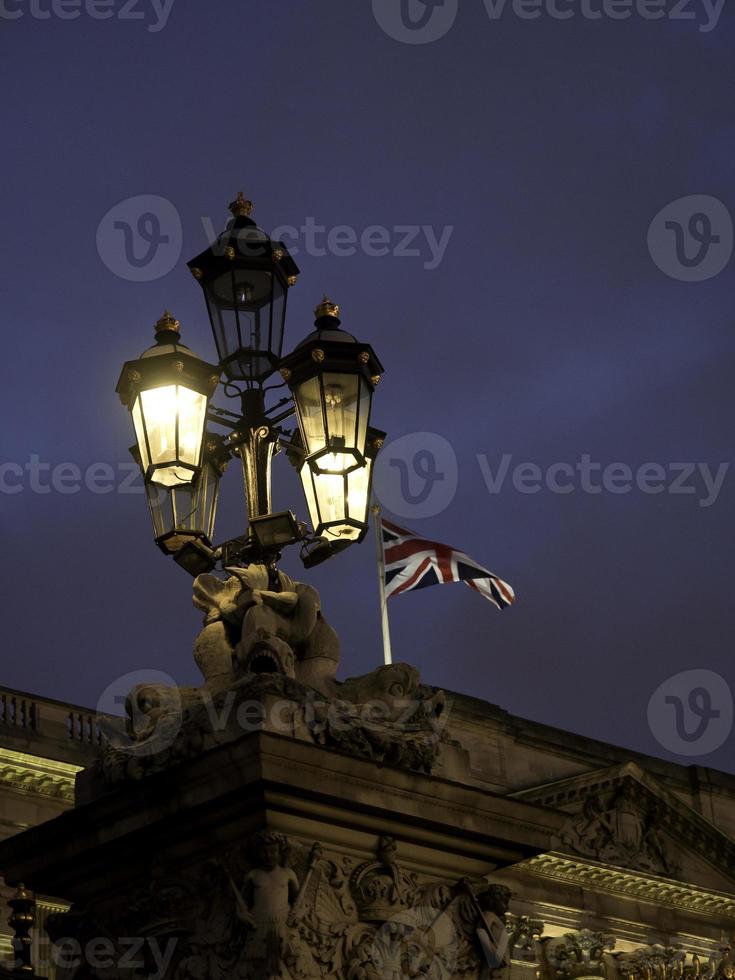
pixel 241 207
pixel 167 325
pixel 327 309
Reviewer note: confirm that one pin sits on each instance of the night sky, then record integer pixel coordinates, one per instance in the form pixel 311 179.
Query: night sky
pixel 539 151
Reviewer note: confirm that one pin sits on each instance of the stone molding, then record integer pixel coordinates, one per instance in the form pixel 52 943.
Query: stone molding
pixel 630 884
pixel 31 774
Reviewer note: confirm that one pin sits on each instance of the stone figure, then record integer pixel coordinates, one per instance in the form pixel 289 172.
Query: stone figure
pixel 251 626
pixel 622 828
pixel 265 642
pixel 267 906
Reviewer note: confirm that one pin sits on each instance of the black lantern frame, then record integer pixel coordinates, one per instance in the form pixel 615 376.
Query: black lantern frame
pixel 246 278
pixel 167 391
pixel 339 504
pixel 332 377
pixel 186 514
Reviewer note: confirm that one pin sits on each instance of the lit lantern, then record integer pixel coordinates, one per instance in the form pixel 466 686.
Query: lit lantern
pixel 167 391
pixel 332 377
pixel 183 515
pixel 339 504
pixel 246 277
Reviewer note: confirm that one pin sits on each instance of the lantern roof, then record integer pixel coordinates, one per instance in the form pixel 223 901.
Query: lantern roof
pixel 328 325
pixel 166 361
pixel 243 241
pixel 329 342
pixel 168 339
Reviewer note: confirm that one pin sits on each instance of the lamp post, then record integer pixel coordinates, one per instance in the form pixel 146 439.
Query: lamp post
pixel 246 278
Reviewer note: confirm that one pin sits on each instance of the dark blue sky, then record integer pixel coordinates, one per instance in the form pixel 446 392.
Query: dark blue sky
pixel 545 332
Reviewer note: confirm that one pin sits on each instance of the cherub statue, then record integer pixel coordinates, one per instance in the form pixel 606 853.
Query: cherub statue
pixel 268 906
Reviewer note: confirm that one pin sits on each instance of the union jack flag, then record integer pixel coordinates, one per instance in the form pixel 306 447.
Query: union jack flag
pixel 412 562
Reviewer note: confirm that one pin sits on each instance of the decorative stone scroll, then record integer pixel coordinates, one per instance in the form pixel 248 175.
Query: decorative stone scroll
pixel 524 937
pixel 578 954
pixel 653 963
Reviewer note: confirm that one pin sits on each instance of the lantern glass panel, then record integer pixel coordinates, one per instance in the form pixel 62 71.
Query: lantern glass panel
pixel 311 415
pixel 169 426
pixel 338 502
pixel 341 393
pixel 358 492
pixel 342 401
pixel 308 484
pixel 247 311
pixel 183 513
pixel 347 409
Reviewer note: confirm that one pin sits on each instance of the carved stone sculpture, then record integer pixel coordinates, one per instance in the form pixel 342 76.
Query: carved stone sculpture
pixel 524 935
pixel 653 963
pixel 261 622
pixel 719 967
pixel 622 829
pixel 276 910
pixel 266 644
pixel 578 954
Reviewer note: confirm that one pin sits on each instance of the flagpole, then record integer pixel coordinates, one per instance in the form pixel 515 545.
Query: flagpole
pixel 380 554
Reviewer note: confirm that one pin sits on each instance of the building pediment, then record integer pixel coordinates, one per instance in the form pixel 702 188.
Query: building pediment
pixel 623 817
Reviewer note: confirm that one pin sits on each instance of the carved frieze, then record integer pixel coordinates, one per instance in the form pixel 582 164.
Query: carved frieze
pixel 622 828
pixel 273 908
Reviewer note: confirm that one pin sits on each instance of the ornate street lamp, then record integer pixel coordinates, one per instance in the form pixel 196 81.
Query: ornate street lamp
pixel 167 391
pixel 332 377
pixel 246 277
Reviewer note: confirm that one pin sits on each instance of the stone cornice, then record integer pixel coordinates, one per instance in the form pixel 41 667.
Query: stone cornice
pixel 629 884
pixel 25 773
pixel 298 788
